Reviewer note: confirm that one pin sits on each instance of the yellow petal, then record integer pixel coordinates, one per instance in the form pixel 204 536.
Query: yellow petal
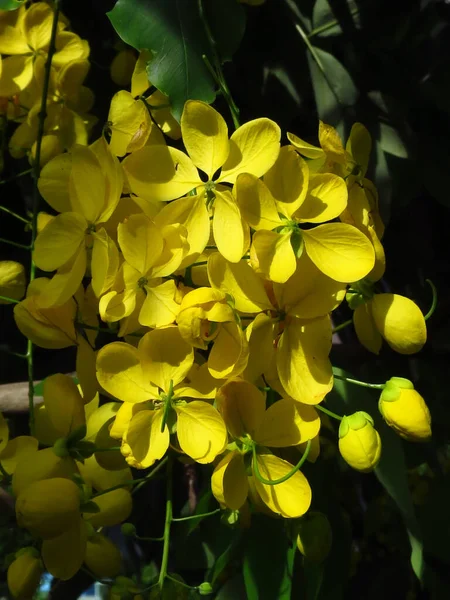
pixel 44 465
pixel 229 355
pixel 175 176
pixel 201 384
pixel 140 242
pixel 165 356
pixel 54 182
pixel 242 407
pixel 239 280
pixel 139 79
pixel 400 321
pixel 66 281
pixel 120 373
pixel 380 258
pixel 288 181
pixel 104 262
pixel 37 26
pixel 103 557
pixel 309 293
pixel 260 336
pixel 280 425
pixel 86 184
pixel 192 213
pixel 275 255
pixel 302 359
pixel 24 574
pixel 326 199
pixel 257 205
pixel 64 404
pixel 254 148
pixel 146 443
pixel 113 178
pixel 205 136
pixel 69 47
pixel 331 143
pixel 176 247
pixel 159 308
pixel 201 431
pixel 227 217
pixel 340 251
pixel 16 450
pixel 359 145
pixel 115 507
pixel 129 122
pixel 99 478
pixel 16 75
pixel 304 148
pixel 59 241
pixel 229 482
pixel 64 555
pixel 365 328
pixel 12 280
pixel 290 499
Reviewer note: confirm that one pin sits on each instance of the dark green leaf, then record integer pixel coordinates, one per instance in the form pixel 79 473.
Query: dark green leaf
pixel 225 558
pixel 328 72
pixel 234 589
pixel 10 4
pixel 324 21
pixel 391 142
pixel 268 560
pixel 175 34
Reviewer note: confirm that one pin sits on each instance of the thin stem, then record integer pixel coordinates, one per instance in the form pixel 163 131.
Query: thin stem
pixel 373 386
pixel 189 587
pixel 208 514
pixel 149 539
pixel 216 71
pixel 36 196
pixel 15 215
pixel 10 300
pixel 328 412
pixel 434 302
pixel 14 177
pixel 342 326
pixel 12 353
pixel 297 467
pixel 133 481
pixel 15 244
pixel 167 524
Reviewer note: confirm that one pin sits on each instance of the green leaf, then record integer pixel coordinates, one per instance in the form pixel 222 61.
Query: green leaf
pixel 268 560
pixel 391 142
pixel 324 22
pixel 175 34
pixel 225 558
pixel 328 73
pixel 11 4
pixel 391 470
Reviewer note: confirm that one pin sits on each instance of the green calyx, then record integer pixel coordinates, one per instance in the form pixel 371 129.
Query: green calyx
pixel 128 529
pixel 356 421
pixel 402 383
pixel 297 242
pixel 392 390
pixel 359 293
pixel 205 589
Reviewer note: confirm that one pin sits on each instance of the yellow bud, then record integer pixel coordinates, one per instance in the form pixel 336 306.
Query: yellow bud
pixel 359 442
pixel 24 574
pixel 122 67
pixel 12 280
pixel 404 409
pixel 102 556
pixel 49 507
pixel 314 536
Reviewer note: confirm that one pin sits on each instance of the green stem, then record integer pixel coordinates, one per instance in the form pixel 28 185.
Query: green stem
pixel 112 449
pixel 177 581
pixel 208 514
pixel 167 406
pixel 12 353
pixel 10 300
pixel 13 214
pixel 15 244
pixel 328 412
pixel 149 539
pixel 14 177
pixel 297 467
pixel 216 71
pixel 342 326
pixel 35 203
pixel 434 302
pixel 167 524
pixel 372 386
pixel 133 481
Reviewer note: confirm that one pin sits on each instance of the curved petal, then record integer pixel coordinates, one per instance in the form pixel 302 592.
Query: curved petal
pixel 340 251
pixel 304 148
pixel 115 507
pixel 140 241
pixel 145 443
pixel 171 174
pixel 359 145
pixel 227 218
pixel 64 404
pixel 201 431
pixel 120 373
pixel 275 255
pixel 365 328
pixel 290 499
pixel 66 281
pixel 205 136
pixel 229 482
pixel 229 354
pixel 103 558
pixel 280 426
pixel 16 74
pixel 104 262
pixel 44 465
pixel 257 205
pixel 53 183
pixel 159 308
pixel 64 555
pixel 254 148
pixel 59 241
pixel 22 447
pixel 288 181
pixel 242 406
pixel 400 321
pixel 326 199
pixel 260 337
pixel 302 359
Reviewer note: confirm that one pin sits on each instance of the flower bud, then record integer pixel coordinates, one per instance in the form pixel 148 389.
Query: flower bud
pixel 404 409
pixel 48 508
pixel 24 574
pixel 359 442
pixel 314 536
pixel 205 589
pixel 102 556
pixel 128 529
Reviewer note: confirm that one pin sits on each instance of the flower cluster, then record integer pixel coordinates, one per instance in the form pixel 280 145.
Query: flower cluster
pixel 219 267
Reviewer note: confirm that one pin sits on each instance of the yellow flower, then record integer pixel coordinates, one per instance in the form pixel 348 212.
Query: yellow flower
pixel 24 573
pixel 288 197
pixel 253 148
pixel 12 280
pixel 122 67
pixel 85 186
pixel 103 557
pixel 396 319
pixel 359 442
pixel 250 425
pixel 161 372
pixel 404 409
